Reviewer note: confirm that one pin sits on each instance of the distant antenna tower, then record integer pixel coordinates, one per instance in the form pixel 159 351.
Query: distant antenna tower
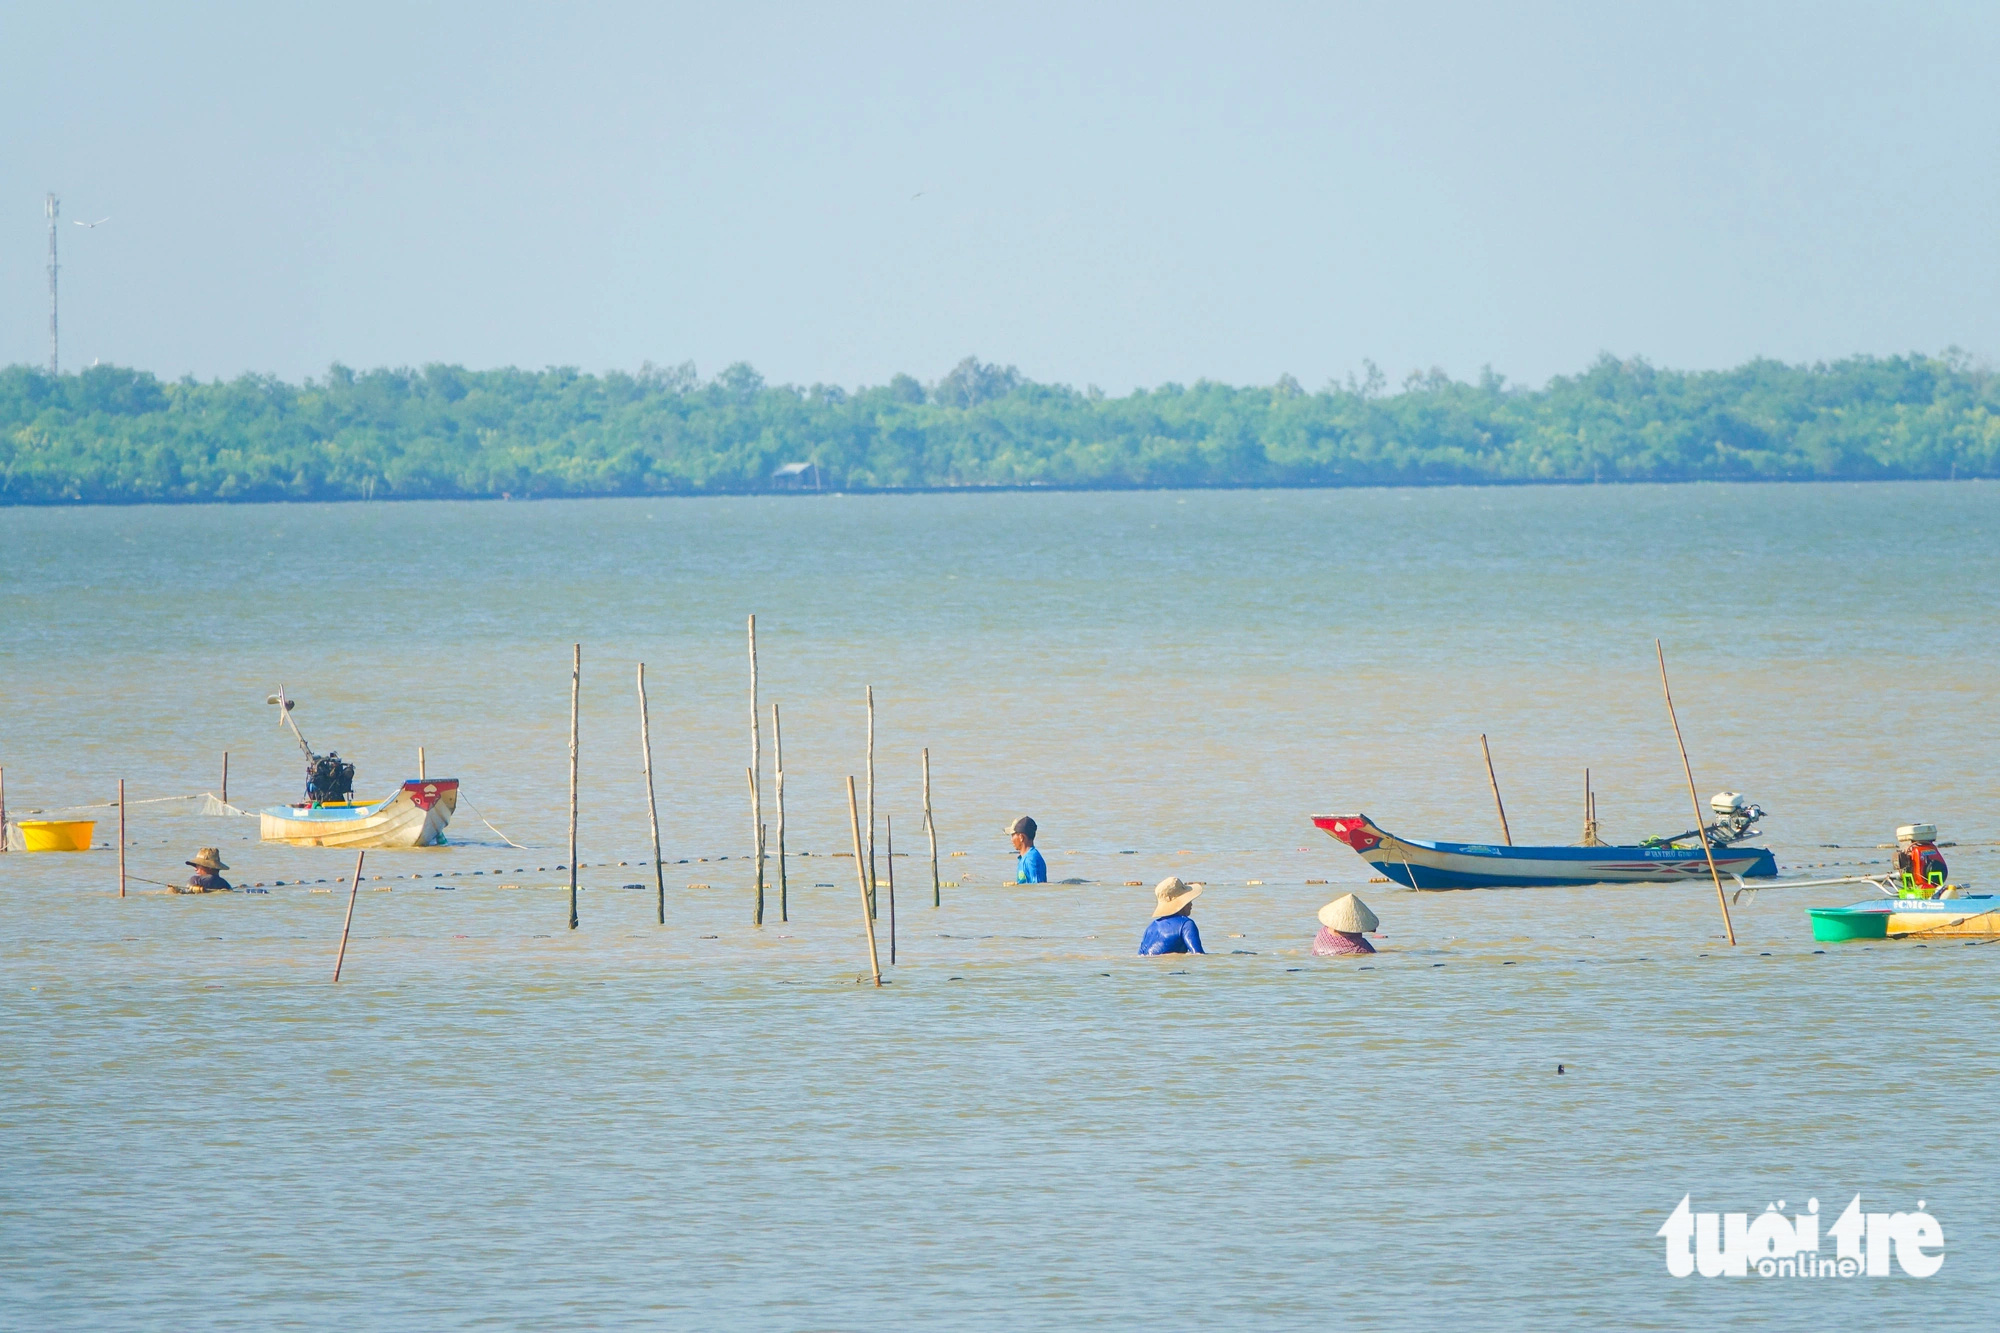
pixel 55 210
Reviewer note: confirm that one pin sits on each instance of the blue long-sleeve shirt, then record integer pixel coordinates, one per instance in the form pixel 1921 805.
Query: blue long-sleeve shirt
pixel 1031 869
pixel 1171 934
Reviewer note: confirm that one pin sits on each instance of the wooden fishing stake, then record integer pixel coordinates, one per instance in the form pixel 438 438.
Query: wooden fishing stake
pixel 1700 827
pixel 758 833
pixel 930 827
pixel 652 802
pixel 1505 832
pixel 861 871
pixel 889 832
pixel 575 681
pixel 871 802
pixel 4 844
pixel 225 777
pixel 778 773
pixel 121 837
pixel 348 924
pixel 421 774
pixel 756 763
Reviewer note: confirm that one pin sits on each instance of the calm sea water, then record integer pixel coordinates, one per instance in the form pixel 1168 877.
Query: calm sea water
pixel 495 1121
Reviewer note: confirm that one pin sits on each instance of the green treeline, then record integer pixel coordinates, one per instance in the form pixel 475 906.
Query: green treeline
pixel 112 434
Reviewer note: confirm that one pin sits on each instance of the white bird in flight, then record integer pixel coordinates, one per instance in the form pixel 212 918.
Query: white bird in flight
pixel 100 222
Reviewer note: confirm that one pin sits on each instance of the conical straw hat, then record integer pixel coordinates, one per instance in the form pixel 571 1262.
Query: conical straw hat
pixel 1171 895
pixel 1348 914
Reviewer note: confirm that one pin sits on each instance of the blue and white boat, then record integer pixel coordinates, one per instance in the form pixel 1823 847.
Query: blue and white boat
pixel 415 816
pixel 1424 864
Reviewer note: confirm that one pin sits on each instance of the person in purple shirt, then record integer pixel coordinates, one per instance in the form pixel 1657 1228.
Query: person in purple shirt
pixel 1172 929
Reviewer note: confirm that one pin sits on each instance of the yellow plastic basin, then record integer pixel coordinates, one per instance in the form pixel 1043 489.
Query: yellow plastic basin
pixel 57 835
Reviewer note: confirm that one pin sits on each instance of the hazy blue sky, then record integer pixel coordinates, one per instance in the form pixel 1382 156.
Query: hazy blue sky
pixel 1118 194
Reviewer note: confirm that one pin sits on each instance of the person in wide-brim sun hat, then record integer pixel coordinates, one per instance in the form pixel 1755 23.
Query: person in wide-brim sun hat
pixel 1342 924
pixel 207 876
pixel 1172 929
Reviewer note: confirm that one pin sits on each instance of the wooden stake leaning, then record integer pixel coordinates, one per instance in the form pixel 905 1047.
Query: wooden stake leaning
pixel 121 837
pixel 652 802
pixel 889 833
pixel 348 924
pixel 1505 832
pixel 861 872
pixel 1701 827
pixel 778 774
pixel 871 803
pixel 575 682
pixel 757 918
pixel 756 764
pixel 930 827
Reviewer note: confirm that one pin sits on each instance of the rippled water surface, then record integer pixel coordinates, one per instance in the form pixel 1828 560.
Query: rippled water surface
pixel 496 1121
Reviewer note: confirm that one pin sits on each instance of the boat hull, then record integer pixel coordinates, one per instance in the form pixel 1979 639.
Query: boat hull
pixel 1467 865
pixel 415 816
pixel 1976 916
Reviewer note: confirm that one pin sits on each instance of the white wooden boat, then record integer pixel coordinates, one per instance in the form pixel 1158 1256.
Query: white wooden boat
pixel 414 817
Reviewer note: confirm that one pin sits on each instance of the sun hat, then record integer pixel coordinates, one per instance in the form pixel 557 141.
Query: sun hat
pixel 1171 895
pixel 208 858
pixel 1024 826
pixel 1348 915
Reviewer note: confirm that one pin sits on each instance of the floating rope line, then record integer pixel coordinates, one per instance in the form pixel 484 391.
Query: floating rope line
pixel 12 815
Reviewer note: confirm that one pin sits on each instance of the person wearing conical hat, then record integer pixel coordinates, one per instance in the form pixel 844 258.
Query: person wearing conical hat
pixel 1341 926
pixel 207 878
pixel 1172 929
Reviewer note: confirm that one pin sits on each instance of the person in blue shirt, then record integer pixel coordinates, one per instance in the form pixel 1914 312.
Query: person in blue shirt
pixel 1172 929
pixel 1031 869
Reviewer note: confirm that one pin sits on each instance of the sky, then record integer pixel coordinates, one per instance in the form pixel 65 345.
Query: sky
pixel 1119 195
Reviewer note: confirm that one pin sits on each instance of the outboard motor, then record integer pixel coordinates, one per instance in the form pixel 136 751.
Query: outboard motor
pixel 329 778
pixel 1736 818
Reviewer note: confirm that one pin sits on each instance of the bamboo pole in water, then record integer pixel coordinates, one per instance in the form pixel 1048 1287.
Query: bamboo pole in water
pixel 757 918
pixel 1701 828
pixel 889 832
pixel 348 924
pixel 1505 832
pixel 4 843
pixel 121 837
pixel 652 801
pixel 861 872
pixel 778 776
pixel 756 764
pixel 575 684
pixel 930 827
pixel 871 802
pixel 421 773
pixel 225 777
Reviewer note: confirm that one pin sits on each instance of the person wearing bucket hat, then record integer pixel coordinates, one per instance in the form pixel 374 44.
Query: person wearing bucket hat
pixel 1341 926
pixel 1031 868
pixel 207 878
pixel 1172 929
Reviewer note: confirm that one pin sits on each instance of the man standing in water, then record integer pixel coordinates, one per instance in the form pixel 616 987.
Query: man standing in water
pixel 207 877
pixel 1031 869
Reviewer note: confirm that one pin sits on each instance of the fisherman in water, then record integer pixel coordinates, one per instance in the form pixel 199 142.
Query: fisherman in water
pixel 207 877
pixel 1031 868
pixel 1920 867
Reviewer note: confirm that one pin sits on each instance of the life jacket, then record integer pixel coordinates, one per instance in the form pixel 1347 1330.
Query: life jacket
pixel 1923 870
pixel 1929 864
